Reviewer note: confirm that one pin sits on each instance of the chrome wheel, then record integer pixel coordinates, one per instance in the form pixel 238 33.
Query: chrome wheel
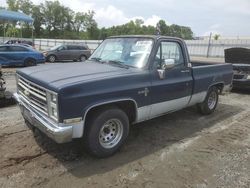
pixel 111 133
pixel 82 58
pixel 52 59
pixel 212 100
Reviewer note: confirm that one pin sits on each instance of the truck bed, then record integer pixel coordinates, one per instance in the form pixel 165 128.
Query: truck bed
pixel 206 73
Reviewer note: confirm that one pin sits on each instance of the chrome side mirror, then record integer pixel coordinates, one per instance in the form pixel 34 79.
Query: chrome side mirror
pixel 162 73
pixel 166 64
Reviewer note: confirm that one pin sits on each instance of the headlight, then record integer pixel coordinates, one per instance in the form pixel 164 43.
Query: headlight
pixel 45 54
pixel 52 105
pixel 248 77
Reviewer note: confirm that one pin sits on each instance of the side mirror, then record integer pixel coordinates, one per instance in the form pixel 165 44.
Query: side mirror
pixel 168 64
pixel 162 73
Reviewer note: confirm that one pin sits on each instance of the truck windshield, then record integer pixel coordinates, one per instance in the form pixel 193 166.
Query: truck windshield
pixel 132 52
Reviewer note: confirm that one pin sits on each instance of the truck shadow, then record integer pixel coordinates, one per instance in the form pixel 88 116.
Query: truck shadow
pixel 145 139
pixel 241 91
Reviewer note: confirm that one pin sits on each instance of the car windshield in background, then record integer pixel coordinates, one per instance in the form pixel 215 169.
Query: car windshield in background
pixel 132 52
pixel 55 47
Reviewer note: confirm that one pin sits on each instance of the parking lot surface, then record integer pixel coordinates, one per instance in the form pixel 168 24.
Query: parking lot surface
pixel 182 149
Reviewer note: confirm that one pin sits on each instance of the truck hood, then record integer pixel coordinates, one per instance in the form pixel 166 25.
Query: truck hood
pixel 58 75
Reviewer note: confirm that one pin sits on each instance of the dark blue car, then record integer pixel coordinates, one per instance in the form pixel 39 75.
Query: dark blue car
pixel 19 55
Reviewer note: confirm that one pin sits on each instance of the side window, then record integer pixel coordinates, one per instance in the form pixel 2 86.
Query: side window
pixel 62 48
pixel 83 48
pixel 18 49
pixel 169 52
pixel 71 48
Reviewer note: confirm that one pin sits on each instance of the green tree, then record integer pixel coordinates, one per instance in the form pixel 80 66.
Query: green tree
pixel 216 37
pixel 54 20
pixel 13 5
pixel 38 17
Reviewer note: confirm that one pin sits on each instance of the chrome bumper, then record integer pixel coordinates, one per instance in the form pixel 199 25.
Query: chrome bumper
pixel 59 134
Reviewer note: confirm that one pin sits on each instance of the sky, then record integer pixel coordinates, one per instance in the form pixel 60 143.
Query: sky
pixel 224 17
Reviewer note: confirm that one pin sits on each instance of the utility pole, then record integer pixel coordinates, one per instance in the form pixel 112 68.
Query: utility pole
pixel 209 44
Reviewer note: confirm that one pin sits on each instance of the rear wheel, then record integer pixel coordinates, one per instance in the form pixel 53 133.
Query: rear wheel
pixel 106 131
pixel 83 58
pixel 52 58
pixel 210 103
pixel 29 62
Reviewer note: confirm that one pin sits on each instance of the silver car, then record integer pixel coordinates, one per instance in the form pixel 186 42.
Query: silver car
pixel 67 52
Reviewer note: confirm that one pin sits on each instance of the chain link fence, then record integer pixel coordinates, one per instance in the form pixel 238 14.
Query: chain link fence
pixel 196 48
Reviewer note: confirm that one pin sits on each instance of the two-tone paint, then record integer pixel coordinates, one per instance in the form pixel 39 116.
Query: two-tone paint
pixel 84 86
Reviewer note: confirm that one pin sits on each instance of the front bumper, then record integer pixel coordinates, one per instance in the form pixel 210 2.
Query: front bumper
pixel 59 134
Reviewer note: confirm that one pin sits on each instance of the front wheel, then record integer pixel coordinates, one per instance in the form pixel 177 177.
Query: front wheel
pixel 209 105
pixel 52 58
pixel 83 58
pixel 106 131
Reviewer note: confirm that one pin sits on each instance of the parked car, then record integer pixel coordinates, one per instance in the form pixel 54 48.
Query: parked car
pixel 240 58
pixel 16 41
pixel 128 79
pixel 19 55
pixel 67 52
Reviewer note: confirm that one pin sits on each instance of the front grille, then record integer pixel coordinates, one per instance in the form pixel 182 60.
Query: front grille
pixel 35 95
pixel 239 76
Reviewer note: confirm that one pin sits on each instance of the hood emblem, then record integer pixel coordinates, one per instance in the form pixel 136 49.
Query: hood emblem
pixel 26 92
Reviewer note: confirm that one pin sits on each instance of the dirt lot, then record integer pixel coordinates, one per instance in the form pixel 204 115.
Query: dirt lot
pixel 183 149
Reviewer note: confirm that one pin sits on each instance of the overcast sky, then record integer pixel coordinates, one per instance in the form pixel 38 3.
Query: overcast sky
pixel 226 17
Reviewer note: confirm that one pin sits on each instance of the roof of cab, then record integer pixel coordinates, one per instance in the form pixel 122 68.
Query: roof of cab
pixel 155 37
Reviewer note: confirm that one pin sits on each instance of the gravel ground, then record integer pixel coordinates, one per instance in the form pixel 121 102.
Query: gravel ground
pixel 183 149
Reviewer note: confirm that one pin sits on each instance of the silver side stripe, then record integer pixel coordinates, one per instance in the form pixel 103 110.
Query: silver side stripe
pixel 154 110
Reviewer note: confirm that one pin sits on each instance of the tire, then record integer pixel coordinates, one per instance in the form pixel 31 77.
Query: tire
pixel 51 58
pixel 106 131
pixel 209 105
pixel 83 58
pixel 29 62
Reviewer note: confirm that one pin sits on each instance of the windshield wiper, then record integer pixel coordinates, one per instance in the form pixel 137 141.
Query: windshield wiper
pixel 96 59
pixel 119 63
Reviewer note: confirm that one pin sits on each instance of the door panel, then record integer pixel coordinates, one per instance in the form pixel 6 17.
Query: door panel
pixel 62 53
pixel 173 92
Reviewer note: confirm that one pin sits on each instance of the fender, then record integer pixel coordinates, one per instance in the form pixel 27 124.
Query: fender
pixel 79 130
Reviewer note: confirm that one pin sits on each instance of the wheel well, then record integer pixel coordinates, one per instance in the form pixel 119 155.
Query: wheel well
pixel 128 106
pixel 30 58
pixel 219 86
pixel 83 55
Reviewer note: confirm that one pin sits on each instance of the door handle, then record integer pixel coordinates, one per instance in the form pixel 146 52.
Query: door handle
pixel 185 71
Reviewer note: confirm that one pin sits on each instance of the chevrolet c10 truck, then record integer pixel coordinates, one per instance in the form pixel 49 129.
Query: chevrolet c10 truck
pixel 128 79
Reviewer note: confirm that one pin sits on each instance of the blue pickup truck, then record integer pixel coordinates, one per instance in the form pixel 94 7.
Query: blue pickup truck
pixel 128 79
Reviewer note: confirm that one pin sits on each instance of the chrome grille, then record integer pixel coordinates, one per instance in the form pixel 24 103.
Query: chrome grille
pixel 35 95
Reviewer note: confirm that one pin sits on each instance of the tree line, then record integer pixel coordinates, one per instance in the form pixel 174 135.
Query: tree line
pixel 54 20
